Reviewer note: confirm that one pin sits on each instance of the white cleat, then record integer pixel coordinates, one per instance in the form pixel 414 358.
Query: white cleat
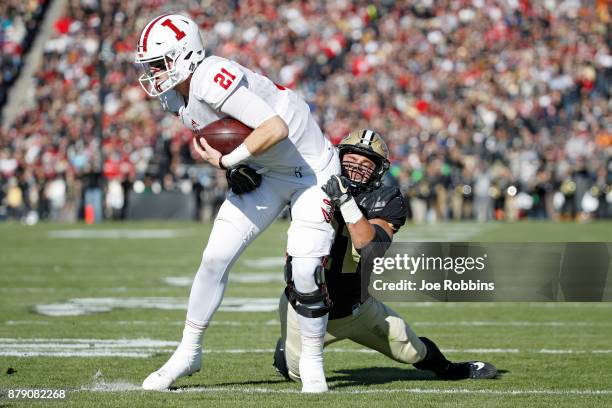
pixel 181 364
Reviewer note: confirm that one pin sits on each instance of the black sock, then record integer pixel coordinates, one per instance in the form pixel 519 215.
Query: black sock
pixel 434 359
pixel 443 368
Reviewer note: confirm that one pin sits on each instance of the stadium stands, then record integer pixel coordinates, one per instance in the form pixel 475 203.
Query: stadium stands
pixel 492 109
pixel 19 23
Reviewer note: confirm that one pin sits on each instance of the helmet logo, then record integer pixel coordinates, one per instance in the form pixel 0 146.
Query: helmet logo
pixel 179 34
pixel 143 48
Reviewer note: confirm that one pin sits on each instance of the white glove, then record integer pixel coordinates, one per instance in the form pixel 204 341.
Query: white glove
pixel 172 101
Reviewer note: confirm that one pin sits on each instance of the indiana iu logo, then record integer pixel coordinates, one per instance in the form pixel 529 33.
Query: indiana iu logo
pixel 327 210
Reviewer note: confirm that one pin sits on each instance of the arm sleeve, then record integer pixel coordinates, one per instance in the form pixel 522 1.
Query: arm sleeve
pixel 247 107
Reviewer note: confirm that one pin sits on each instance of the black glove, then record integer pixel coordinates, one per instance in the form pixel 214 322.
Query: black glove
pixel 242 179
pixel 337 188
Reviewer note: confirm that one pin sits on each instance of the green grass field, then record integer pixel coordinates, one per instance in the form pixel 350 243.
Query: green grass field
pixel 96 309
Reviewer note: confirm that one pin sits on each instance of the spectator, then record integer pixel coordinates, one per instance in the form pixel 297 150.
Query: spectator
pixel 491 109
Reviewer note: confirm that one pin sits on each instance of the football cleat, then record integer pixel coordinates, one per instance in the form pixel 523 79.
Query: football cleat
pixel 181 364
pixel 481 370
pixel 478 370
pixel 280 364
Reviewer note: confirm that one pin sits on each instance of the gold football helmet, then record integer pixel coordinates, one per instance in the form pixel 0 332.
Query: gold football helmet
pixel 371 145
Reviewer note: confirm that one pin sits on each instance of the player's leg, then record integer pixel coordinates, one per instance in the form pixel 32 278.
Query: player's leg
pixel 380 328
pixel 289 345
pixel 240 220
pixel 444 369
pixel 309 240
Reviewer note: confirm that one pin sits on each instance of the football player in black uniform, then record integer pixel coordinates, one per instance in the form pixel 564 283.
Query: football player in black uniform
pixel 369 214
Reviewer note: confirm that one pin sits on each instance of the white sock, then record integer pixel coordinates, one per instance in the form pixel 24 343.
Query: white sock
pixel 189 352
pixel 311 359
pixel 312 330
pixel 186 360
pixel 192 335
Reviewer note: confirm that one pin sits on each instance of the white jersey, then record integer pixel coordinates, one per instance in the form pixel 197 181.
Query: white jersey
pixel 216 78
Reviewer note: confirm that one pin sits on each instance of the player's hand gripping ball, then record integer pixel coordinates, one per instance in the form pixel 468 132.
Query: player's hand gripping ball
pixel 337 188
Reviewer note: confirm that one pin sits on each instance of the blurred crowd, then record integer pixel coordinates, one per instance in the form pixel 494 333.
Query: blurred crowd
pixel 492 109
pixel 19 22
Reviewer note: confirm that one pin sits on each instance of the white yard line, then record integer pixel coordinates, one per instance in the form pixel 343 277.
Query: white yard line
pixel 118 233
pixel 440 232
pixel 140 348
pixel 122 386
pixel 83 306
pixel 260 277
pixel 272 262
pixel 238 323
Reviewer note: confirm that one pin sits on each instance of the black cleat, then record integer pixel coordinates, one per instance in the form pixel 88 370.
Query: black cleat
pixel 280 364
pixel 481 370
pixel 478 370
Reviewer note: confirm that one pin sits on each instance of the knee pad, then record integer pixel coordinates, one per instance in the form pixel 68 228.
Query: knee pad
pixel 310 304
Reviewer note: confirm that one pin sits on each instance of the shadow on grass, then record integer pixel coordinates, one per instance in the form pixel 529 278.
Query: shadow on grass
pixel 377 375
pixel 350 378
pixel 384 375
pixel 229 384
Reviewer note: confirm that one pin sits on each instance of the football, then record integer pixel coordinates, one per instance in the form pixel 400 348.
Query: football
pixel 223 134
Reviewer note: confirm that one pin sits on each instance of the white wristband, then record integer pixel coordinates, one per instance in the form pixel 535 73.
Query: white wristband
pixel 238 155
pixel 350 211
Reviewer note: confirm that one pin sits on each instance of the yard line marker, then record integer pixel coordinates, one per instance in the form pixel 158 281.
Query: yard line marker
pixel 261 277
pixel 143 347
pixel 83 306
pixel 118 233
pixel 123 386
pixel 464 323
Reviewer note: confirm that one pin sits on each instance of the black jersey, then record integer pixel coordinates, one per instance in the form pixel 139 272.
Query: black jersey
pixel 343 273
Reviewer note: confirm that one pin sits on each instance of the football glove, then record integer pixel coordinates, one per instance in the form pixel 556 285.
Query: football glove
pixel 242 179
pixel 337 188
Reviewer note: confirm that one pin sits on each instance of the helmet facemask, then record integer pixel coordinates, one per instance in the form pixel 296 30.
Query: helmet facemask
pixel 161 74
pixel 369 144
pixel 362 177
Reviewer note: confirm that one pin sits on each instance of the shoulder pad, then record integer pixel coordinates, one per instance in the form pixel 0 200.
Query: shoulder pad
pixel 215 80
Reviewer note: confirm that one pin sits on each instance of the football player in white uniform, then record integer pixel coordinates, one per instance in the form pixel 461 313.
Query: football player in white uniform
pixel 285 160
